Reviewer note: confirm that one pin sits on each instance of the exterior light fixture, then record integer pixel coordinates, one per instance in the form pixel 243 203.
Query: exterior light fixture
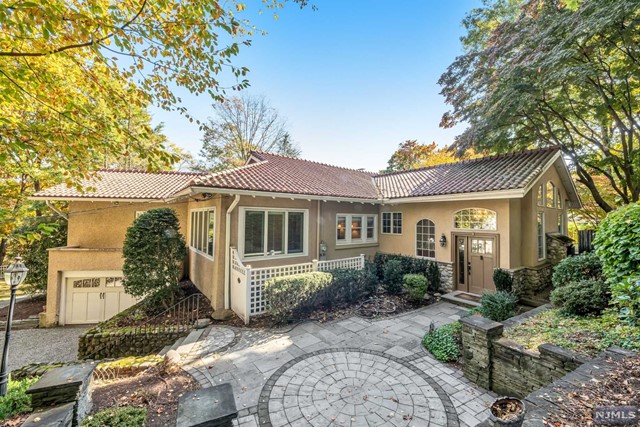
pixel 443 240
pixel 14 276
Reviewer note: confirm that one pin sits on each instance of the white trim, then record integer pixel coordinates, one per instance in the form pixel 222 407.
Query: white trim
pixel 544 236
pixel 363 230
pixel 305 233
pixel 481 195
pixel 473 229
pixel 212 210
pixel 227 251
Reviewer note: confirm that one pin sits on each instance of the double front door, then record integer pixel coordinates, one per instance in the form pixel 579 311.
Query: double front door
pixel 475 259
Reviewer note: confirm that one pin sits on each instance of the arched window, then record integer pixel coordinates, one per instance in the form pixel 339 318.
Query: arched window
pixel 551 195
pixel 475 219
pixel 426 239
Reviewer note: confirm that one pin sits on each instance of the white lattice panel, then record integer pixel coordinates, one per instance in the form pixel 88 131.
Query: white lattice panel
pixel 355 263
pixel 238 286
pixel 259 276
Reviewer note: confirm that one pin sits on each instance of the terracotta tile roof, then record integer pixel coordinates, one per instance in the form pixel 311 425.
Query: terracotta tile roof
pixel 123 184
pixel 502 172
pixel 281 174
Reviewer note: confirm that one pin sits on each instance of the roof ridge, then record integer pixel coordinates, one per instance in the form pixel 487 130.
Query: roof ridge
pixel 465 161
pixel 312 161
pixel 119 170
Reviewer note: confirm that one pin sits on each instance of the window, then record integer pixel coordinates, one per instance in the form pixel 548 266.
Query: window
pixel 202 230
pixel 392 223
pixel 541 237
pixel 558 199
pixel 113 282
pixel 475 219
pixel 269 232
pixel 551 195
pixel 426 239
pixel 540 196
pixel 355 228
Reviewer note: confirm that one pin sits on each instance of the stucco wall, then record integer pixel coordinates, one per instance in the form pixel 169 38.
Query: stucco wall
pixel 328 227
pixel 441 213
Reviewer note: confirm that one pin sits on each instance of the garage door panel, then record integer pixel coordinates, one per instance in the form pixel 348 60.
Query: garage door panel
pixel 111 304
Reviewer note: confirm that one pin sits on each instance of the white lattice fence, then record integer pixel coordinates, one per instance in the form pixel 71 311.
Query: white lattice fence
pixel 355 263
pixel 239 286
pixel 258 276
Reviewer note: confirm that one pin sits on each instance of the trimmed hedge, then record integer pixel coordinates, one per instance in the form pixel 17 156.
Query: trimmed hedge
pixel 415 285
pixel 498 306
pixel 349 286
pixel 290 296
pixel 581 298
pixel 576 268
pixel 392 277
pixel 409 265
pixel 503 280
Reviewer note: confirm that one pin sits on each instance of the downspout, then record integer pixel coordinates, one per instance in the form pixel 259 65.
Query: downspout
pixel 227 245
pixel 318 219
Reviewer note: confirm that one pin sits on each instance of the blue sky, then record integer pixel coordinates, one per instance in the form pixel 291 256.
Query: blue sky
pixel 354 78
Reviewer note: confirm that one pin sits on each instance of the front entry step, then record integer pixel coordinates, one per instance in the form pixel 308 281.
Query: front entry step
pixel 189 341
pixel 463 299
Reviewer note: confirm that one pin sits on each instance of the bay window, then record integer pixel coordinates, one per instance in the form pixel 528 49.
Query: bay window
pixel 202 230
pixel 273 232
pixel 355 229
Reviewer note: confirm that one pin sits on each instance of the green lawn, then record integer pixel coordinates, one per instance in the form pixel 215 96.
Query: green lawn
pixel 586 335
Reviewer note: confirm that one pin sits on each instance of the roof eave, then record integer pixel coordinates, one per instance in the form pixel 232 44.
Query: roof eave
pixel 272 194
pixel 93 199
pixel 479 195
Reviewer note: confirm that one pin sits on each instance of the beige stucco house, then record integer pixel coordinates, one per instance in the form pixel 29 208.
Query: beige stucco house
pixel 278 215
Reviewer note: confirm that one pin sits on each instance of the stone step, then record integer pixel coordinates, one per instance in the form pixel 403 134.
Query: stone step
pixel 458 298
pixel 189 341
pixel 213 406
pixel 177 344
pixel 165 350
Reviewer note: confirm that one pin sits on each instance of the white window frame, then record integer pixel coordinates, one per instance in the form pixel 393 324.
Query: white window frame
pixel 475 229
pixel 540 195
pixel 363 229
pixel 541 240
pixel 192 231
pixel 435 242
pixel 265 254
pixel 392 217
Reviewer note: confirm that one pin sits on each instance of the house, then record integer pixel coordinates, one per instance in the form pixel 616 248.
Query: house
pixel 278 215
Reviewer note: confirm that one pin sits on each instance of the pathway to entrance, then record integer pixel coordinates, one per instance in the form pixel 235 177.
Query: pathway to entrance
pixel 350 373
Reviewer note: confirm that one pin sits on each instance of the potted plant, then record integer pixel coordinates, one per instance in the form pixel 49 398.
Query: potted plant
pixel 507 411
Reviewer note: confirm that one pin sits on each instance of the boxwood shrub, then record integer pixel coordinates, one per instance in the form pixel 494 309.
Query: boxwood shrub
pixel 503 280
pixel 576 268
pixel 392 277
pixel 498 306
pixel 349 286
pixel 589 296
pixel 444 342
pixel 415 285
pixel 291 296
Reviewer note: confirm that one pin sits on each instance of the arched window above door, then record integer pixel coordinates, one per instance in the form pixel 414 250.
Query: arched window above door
pixel 475 219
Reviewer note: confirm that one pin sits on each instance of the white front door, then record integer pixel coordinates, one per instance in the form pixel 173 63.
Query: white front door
pixel 94 299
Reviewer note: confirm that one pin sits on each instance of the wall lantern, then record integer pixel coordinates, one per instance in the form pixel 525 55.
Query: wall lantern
pixel 443 240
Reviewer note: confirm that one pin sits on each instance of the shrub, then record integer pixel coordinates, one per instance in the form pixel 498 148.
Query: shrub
pixel 415 285
pixel 153 253
pixel 625 296
pixel 125 416
pixel 16 401
pixel 588 296
pixel 349 286
pixel 444 342
pixel 616 243
pixel 393 273
pixel 291 296
pixel 433 277
pixel 498 306
pixel 577 268
pixel 409 264
pixel 503 280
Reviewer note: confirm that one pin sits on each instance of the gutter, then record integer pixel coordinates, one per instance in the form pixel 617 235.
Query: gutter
pixel 227 248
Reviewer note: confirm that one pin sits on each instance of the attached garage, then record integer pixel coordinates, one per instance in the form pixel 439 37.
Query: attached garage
pixel 93 298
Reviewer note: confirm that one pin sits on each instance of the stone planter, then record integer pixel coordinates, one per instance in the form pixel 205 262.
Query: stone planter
pixel 517 416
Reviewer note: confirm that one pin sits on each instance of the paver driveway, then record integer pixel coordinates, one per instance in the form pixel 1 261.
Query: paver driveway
pixel 352 372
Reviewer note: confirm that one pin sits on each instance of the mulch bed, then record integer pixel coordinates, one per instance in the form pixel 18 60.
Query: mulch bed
pixel 379 307
pixel 157 389
pixel 621 386
pixel 25 308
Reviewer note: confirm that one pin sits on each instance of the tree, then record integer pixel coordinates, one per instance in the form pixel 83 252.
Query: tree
pixel 411 155
pixel 153 252
pixel 556 75
pixel 69 56
pixel 244 124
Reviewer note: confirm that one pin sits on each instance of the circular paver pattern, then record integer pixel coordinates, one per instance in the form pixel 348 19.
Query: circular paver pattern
pixel 353 388
pixel 218 340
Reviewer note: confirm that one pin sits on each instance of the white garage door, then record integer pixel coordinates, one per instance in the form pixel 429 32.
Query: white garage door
pixel 94 299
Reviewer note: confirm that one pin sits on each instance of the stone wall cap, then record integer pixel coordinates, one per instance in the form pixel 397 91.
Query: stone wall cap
pixel 561 353
pixel 620 351
pixel 479 322
pixel 63 377
pixel 53 417
pixel 195 408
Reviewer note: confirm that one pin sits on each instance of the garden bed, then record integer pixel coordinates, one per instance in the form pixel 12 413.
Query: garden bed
pixel 157 390
pixel 587 335
pixel 25 309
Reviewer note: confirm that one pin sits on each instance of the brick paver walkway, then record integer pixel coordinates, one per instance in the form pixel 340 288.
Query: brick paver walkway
pixel 352 372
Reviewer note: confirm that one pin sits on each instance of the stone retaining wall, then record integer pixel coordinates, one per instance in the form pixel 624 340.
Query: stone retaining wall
pixel 505 367
pixel 125 342
pixel 446 275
